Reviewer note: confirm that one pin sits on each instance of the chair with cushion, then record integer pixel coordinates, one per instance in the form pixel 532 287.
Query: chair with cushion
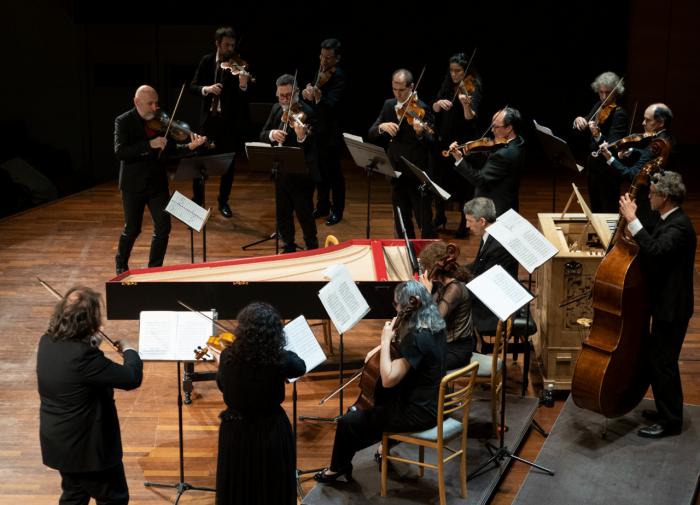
pixel 455 396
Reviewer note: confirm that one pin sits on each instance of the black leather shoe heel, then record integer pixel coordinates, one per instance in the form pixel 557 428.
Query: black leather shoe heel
pixel 324 478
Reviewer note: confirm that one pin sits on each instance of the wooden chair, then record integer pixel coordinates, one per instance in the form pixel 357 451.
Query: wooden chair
pixel 453 397
pixel 326 323
pixel 491 368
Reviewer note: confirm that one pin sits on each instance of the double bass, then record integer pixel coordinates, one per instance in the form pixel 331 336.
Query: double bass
pixel 609 377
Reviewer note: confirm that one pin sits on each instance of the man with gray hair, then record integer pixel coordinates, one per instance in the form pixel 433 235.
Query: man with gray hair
pixel 481 213
pixel 668 261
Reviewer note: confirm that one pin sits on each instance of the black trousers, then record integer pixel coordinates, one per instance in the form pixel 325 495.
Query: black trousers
pixel 332 183
pixel 227 139
pixel 134 204
pixel 107 487
pixel 449 179
pixel 665 343
pixel 408 198
pixel 294 194
pixel 603 186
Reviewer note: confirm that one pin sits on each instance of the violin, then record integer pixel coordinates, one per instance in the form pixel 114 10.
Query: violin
pixel 640 140
pixel 237 66
pixel 324 75
pixel 477 146
pixel 412 112
pixel 179 130
pixel 297 117
pixel 215 345
pixel 607 107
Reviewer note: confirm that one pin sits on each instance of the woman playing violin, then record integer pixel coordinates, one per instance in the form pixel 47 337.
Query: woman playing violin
pixel 455 108
pixel 607 122
pixel 415 377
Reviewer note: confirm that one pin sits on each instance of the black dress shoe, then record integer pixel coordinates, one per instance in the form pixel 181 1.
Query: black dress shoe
pixel 651 415
pixel 658 431
pixel 318 213
pixel 122 268
pixel 289 248
pixel 225 210
pixel 324 478
pixel 334 219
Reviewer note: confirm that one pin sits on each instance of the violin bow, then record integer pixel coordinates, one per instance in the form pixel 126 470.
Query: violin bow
pixel 59 297
pixel 172 116
pixel 413 93
pixel 634 114
pixel 608 99
pixel 216 323
pixel 466 72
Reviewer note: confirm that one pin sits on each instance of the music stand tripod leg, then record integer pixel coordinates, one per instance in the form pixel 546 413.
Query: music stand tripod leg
pixel 299 472
pixel 340 393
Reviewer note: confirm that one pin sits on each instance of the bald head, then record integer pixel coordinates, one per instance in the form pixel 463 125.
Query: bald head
pixel 146 101
pixel 657 117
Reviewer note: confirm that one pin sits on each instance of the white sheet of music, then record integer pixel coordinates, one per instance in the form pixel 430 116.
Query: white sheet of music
pixel 497 289
pixel 342 299
pixel 522 240
pixel 187 211
pixel 302 341
pixel 172 335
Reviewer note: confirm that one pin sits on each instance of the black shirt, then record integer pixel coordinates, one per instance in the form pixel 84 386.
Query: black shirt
pixel 425 352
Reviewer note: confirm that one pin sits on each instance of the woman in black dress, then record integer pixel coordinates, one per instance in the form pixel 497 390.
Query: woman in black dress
pixel 445 279
pixel 256 462
pixel 414 378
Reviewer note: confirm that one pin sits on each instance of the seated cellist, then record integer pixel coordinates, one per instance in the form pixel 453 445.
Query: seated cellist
pixel 414 377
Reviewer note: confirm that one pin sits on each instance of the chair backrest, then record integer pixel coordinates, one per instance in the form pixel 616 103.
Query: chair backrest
pixel 456 394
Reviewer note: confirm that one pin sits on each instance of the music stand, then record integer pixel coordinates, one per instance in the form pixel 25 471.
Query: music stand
pixel 201 167
pixel 285 159
pixel 373 159
pixel 558 153
pixel 426 183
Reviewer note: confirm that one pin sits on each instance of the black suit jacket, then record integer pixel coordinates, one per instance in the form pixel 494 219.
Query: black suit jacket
pixel 78 423
pixel 491 253
pixel 499 178
pixel 668 255
pixel 274 121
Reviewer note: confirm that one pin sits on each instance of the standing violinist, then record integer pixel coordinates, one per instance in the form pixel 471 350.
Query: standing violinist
pixel 499 178
pixel 413 142
pixel 326 96
pixel 667 251
pixel 142 177
pixel 604 124
pixel 414 377
pixel 224 112
pixel 294 192
pixel 455 110
pixel 628 163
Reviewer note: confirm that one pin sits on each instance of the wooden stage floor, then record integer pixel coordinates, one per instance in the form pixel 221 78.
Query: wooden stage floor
pixel 73 241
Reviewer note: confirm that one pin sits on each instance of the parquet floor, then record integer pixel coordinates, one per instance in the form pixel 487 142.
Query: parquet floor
pixel 73 241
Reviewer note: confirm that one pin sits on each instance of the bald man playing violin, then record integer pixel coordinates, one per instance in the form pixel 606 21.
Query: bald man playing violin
pixel 142 177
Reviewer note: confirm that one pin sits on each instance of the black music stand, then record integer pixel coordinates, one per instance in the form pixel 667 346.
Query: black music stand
pixel 373 159
pixel 426 183
pixel 285 159
pixel 201 167
pixel 299 471
pixel 558 153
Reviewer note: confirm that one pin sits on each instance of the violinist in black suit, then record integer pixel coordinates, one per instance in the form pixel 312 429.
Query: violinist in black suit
pixel 667 251
pixel 78 424
pixel 604 125
pixel 142 177
pixel 480 213
pixel 499 178
pixel 224 112
pixel 413 142
pixel 325 97
pixel 294 192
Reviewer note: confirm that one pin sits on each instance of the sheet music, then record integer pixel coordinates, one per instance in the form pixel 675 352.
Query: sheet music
pixel 302 341
pixel 172 335
pixel 350 136
pixel 497 289
pixel 187 211
pixel 522 240
pixel 342 299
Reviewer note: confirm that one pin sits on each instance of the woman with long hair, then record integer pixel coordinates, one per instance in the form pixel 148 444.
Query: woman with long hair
pixel 256 462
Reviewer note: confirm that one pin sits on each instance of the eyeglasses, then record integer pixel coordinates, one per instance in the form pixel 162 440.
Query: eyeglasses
pixel 285 95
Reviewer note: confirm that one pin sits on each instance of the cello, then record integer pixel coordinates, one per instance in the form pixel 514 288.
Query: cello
pixel 609 375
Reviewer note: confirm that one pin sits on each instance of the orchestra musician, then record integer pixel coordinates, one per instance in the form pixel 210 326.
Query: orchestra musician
pixel 656 123
pixel 603 182
pixel 224 112
pixel 667 251
pixel 326 96
pixel 294 192
pixel 78 423
pixel 143 179
pixel 256 457
pixel 499 178
pixel 480 213
pixel 414 377
pixel 446 280
pixel 455 108
pixel 413 142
